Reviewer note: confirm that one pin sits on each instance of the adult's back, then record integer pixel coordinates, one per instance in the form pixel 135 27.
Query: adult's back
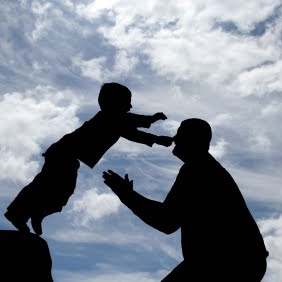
pixel 215 214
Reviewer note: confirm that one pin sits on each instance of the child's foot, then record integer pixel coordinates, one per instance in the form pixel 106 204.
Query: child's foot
pixel 21 226
pixel 36 224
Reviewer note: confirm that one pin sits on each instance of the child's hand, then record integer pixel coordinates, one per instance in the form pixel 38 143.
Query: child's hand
pixel 159 116
pixel 164 140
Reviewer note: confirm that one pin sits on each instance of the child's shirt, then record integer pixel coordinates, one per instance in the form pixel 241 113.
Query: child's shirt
pixel 89 142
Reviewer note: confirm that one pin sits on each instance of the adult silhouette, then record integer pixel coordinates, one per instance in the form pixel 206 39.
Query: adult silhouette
pixel 220 239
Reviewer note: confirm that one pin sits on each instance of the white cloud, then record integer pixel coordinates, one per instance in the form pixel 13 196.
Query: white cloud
pixel 261 81
pixel 94 9
pixel 68 3
pixel 223 119
pixel 16 167
pixel 200 10
pixel 125 232
pixel 96 68
pixel 79 236
pixel 232 11
pixel 64 276
pixel 32 119
pixel 124 63
pixel 271 228
pixel 171 126
pixel 129 149
pixel 272 109
pixel 259 186
pixel 39 9
pixel 260 143
pixel 93 68
pixel 218 150
pixel 197 53
pixel 92 206
pixel 43 21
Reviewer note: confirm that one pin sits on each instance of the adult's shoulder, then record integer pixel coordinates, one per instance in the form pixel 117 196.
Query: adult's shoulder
pixel 185 172
pixel 203 167
pixel 211 162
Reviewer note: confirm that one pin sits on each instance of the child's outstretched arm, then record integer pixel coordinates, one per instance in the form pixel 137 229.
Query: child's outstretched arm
pixel 136 120
pixel 132 121
pixel 164 140
pixel 149 139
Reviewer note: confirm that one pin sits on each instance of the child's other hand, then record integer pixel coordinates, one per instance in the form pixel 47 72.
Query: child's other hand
pixel 159 116
pixel 164 141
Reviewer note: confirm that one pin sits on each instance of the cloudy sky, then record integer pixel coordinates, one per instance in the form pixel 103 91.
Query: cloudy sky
pixel 216 60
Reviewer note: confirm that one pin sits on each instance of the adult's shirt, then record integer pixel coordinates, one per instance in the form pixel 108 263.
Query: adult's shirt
pixel 206 203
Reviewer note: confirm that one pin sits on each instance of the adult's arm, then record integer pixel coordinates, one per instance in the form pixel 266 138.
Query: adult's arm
pixel 161 216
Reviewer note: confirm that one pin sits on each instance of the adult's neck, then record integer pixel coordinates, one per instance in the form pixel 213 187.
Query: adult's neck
pixel 198 158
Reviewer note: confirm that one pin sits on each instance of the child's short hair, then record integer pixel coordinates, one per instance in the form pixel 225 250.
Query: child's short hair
pixel 112 94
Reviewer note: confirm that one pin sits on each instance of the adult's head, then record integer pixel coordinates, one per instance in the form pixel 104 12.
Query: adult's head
pixel 192 139
pixel 114 97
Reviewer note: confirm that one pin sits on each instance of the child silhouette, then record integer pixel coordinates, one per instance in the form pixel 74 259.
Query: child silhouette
pixel 51 188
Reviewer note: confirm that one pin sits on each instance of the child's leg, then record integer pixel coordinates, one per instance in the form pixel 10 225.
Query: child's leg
pixel 55 192
pixel 20 209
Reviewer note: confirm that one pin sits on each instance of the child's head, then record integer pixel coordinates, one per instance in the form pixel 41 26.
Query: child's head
pixel 114 97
